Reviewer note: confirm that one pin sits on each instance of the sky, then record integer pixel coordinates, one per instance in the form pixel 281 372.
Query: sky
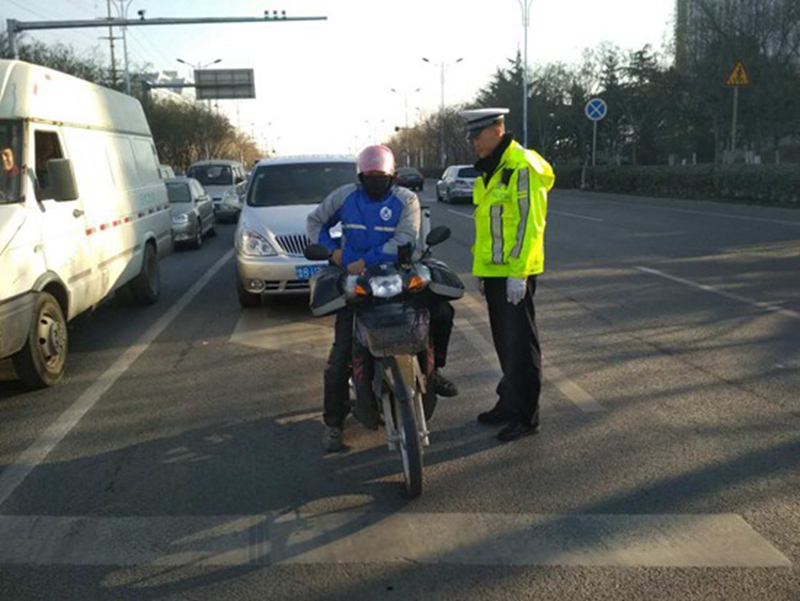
pixel 326 86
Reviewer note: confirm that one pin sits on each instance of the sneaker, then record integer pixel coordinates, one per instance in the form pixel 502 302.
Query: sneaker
pixel 332 439
pixel 442 386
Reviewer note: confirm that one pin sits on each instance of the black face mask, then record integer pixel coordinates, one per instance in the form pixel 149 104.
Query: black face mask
pixel 376 186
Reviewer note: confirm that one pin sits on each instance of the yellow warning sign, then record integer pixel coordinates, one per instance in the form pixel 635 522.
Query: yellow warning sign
pixel 738 76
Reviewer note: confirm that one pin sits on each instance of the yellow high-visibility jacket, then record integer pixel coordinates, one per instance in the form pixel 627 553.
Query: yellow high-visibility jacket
pixel 510 215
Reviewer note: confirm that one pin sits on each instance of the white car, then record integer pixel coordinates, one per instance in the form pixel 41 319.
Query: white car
pixel 271 235
pixel 457 183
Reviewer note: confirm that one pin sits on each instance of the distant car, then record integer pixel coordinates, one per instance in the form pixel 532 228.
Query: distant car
pixel 271 236
pixel 457 183
pixel 410 178
pixel 192 211
pixel 218 176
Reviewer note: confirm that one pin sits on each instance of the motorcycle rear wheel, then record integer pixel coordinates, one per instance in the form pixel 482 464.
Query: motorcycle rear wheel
pixel 409 445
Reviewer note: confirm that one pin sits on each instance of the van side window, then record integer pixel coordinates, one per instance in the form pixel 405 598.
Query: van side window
pixel 146 160
pixel 46 146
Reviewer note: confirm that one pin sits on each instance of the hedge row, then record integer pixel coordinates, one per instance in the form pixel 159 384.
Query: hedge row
pixel 765 184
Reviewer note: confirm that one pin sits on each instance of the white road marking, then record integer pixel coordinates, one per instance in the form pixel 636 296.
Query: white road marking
pixel 16 473
pixel 704 540
pixel 257 328
pixel 575 215
pixel 460 214
pixel 584 401
pixel 705 213
pixel 771 307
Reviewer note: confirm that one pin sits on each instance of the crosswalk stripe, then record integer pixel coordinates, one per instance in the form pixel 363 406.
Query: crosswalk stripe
pixel 705 540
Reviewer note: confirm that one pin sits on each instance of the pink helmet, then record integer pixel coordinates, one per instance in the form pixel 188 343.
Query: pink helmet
pixel 376 158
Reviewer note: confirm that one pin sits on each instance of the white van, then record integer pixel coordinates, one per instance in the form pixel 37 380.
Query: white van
pixel 83 210
pixel 218 176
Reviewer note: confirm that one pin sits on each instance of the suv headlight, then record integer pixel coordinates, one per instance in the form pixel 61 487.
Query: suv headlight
pixel 252 244
pixel 182 218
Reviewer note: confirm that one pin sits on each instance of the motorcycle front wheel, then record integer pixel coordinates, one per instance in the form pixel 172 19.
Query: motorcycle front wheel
pixel 408 432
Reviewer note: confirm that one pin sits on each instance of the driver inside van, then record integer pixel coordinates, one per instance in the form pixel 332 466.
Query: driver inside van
pixel 377 218
pixel 9 181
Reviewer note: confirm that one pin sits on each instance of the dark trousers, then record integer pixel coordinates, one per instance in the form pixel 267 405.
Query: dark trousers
pixel 516 340
pixel 337 372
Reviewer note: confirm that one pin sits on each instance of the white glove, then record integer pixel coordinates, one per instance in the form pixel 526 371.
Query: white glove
pixel 516 289
pixel 482 286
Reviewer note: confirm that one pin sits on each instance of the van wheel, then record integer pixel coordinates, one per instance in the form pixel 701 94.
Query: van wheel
pixel 146 287
pixel 247 299
pixel 198 235
pixel 41 362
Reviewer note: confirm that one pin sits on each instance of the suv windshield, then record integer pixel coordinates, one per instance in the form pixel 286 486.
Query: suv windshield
pixel 468 172
pixel 298 183
pixel 211 175
pixel 10 161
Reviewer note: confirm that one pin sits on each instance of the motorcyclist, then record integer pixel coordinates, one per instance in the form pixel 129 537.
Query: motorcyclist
pixel 377 218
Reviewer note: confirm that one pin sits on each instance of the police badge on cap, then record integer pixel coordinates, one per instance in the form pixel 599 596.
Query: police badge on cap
pixel 476 120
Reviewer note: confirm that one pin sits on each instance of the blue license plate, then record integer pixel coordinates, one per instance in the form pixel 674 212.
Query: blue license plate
pixel 304 272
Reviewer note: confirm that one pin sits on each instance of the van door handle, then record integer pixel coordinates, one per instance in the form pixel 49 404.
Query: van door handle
pixel 77 213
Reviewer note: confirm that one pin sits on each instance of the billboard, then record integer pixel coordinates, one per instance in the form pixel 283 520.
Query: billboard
pixel 224 83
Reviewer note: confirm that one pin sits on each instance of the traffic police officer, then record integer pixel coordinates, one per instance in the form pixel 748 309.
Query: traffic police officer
pixel 510 198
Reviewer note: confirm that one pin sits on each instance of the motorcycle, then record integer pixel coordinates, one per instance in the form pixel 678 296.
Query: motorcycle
pixel 392 325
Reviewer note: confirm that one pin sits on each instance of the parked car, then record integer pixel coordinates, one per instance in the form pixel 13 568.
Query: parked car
pixel 457 183
pixel 85 215
pixel 271 235
pixel 410 178
pixel 230 207
pixel 217 176
pixel 192 211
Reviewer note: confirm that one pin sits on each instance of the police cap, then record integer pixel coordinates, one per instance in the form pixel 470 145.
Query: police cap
pixel 476 120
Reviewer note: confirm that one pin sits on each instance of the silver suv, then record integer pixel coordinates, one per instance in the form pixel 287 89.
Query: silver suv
pixel 457 183
pixel 271 234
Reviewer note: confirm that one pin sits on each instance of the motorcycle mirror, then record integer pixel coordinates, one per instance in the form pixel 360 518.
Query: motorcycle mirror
pixel 317 252
pixel 437 235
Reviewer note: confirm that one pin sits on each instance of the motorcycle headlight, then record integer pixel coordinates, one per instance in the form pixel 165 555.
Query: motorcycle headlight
pixel 255 245
pixel 182 218
pixel 386 286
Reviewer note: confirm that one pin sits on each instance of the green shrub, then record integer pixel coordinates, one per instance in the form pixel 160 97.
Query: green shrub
pixel 766 184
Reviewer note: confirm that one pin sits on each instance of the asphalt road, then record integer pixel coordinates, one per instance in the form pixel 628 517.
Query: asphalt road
pixel 180 457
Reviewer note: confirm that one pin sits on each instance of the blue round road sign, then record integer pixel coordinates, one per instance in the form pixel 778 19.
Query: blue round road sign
pixel 596 109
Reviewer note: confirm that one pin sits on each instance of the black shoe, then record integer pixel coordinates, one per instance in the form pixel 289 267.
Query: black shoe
pixel 516 430
pixel 495 416
pixel 442 386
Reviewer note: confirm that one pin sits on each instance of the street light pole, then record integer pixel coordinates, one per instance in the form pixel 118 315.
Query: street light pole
pixel 442 66
pixel 525 5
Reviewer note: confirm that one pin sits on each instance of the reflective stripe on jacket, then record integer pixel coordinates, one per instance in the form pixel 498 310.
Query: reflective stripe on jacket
pixel 510 216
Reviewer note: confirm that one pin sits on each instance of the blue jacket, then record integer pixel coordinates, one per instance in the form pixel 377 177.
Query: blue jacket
pixel 371 229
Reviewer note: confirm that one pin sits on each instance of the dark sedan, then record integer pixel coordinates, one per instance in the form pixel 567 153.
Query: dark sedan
pixel 410 178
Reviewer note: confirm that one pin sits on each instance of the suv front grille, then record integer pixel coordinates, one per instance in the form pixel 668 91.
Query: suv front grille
pixel 294 244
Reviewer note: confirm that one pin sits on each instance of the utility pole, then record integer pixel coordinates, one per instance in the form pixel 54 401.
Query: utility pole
pixel 111 39
pixel 525 5
pixel 442 67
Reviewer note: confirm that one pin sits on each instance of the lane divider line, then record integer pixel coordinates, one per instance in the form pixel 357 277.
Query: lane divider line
pixel 16 473
pixel 770 307
pixel 575 215
pixel 570 389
